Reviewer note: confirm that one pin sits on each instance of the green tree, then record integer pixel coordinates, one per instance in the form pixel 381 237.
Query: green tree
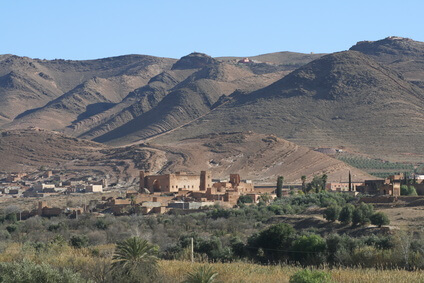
pixel 316 184
pixel 412 191
pixel 362 213
pixel 280 181
pixel 274 241
pixel 244 199
pixel 357 217
pixel 346 213
pixel 332 213
pixel 404 190
pixel 202 274
pixel 309 249
pixel 379 219
pixel 135 258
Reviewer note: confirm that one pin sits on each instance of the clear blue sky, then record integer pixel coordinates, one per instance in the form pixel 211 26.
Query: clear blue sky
pixel 74 29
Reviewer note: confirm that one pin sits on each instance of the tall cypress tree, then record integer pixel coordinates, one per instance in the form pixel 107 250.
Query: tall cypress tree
pixel 303 178
pixel 324 178
pixel 350 182
pixel 280 181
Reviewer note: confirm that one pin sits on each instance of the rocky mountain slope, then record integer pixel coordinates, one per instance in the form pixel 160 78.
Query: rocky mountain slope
pixel 368 100
pixel 343 99
pixel 193 97
pixel 401 54
pixel 254 156
pixel 62 90
pixel 90 101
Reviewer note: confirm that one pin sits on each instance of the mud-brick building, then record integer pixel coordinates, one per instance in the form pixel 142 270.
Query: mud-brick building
pixel 169 183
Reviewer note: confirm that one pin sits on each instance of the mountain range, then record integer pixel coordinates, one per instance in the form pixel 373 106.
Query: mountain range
pixel 367 100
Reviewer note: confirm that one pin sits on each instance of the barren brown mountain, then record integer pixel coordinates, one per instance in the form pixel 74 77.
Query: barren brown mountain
pixel 254 156
pixel 51 94
pixel 193 97
pixel 367 101
pixel 401 54
pixel 343 99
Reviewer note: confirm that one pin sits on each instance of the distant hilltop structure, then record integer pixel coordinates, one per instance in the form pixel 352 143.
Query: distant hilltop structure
pixel 245 60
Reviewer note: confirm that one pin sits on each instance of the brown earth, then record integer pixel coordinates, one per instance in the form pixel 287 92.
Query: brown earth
pixel 254 156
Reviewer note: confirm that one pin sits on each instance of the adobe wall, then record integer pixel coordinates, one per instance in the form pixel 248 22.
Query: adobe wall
pixel 184 182
pixel 157 183
pixel 377 199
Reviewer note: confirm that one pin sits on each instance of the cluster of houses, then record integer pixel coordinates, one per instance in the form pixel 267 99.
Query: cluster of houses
pixel 178 191
pixel 390 186
pixel 47 183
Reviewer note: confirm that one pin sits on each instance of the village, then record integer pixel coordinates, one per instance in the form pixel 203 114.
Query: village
pixel 180 191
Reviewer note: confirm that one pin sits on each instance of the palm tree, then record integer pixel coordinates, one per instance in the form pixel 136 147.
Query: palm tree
pixel 203 274
pixel 135 256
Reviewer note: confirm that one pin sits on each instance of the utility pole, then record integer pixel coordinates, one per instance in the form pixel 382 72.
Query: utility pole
pixel 192 250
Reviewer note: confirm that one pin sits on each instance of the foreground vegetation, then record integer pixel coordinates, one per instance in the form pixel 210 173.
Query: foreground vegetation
pixel 66 264
pixel 251 243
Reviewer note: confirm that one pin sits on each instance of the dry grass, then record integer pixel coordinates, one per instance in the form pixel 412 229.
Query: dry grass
pixel 248 272
pixel 82 260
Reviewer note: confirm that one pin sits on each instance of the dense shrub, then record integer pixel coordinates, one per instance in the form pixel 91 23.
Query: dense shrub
pixel 310 276
pixel 78 241
pixel 28 272
pixel 274 241
pixel 244 199
pixel 11 228
pixel 406 190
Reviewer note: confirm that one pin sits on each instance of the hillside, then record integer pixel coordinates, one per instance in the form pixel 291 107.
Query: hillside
pixel 401 54
pixel 343 99
pixel 254 156
pixel 192 98
pixel 367 100
pixel 46 88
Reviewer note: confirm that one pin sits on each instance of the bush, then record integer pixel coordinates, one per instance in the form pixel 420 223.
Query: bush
pixel 101 224
pixel 11 228
pixel 203 274
pixel 310 276
pixel 28 272
pixel 11 217
pixel 78 241
pixel 379 219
